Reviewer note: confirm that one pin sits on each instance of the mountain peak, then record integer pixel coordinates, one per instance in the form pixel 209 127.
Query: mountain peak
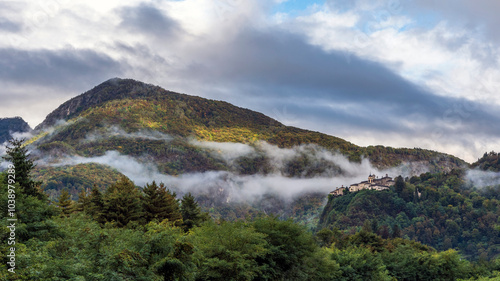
pixel 12 125
pixel 112 89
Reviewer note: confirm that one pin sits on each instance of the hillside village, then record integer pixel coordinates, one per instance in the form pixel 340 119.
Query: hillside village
pixel 373 183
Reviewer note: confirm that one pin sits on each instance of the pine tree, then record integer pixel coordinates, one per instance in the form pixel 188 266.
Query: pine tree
pixel 82 204
pixel 18 155
pixel 65 202
pixel 191 212
pixel 96 205
pixel 123 203
pixel 160 204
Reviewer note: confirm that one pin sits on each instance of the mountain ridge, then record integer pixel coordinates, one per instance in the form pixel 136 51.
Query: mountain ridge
pixel 136 106
pixel 12 125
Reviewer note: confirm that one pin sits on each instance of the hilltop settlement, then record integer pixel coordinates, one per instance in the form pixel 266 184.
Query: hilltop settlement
pixel 373 182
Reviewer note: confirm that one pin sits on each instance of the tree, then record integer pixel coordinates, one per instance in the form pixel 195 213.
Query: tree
pixel 65 202
pixel 82 204
pixel 228 251
pixel 396 232
pixel 122 203
pixel 18 155
pixel 191 212
pixel 160 204
pixel 96 206
pixel 399 185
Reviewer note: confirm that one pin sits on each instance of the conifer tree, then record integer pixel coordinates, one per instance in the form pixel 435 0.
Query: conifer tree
pixel 82 204
pixel 65 202
pixel 122 203
pixel 191 212
pixel 160 204
pixel 96 205
pixel 18 155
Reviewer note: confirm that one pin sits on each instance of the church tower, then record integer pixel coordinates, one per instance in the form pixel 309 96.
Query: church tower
pixel 371 178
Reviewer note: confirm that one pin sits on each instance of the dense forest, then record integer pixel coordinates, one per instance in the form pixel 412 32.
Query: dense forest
pixel 74 178
pixel 442 210
pixel 489 162
pixel 131 233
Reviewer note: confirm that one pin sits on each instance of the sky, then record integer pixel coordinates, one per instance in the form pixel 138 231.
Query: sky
pixel 401 73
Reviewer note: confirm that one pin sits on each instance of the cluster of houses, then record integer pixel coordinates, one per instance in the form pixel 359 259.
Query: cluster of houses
pixel 373 182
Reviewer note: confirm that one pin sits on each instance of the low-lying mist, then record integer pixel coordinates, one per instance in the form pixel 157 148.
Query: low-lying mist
pixel 481 179
pixel 115 131
pixel 237 187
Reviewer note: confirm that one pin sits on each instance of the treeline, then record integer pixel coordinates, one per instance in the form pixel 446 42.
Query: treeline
pixel 128 233
pixel 77 240
pixel 74 178
pixel 489 162
pixel 441 210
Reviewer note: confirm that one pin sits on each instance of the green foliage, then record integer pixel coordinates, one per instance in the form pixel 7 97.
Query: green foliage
pixel 293 253
pixel 191 212
pixel 489 162
pixel 358 263
pixel 74 178
pixel 448 213
pixel 18 155
pixel 160 204
pixel 122 203
pixel 65 202
pixel 228 251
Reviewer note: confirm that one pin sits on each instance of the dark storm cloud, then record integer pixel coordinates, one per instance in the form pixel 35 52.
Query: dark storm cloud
pixel 149 20
pixel 10 26
pixel 66 68
pixel 281 65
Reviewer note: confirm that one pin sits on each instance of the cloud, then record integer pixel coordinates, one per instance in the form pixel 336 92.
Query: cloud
pixel 148 19
pixel 478 16
pixel 227 151
pixel 482 179
pixel 10 26
pixel 65 68
pixel 247 188
pixel 115 131
pixel 362 70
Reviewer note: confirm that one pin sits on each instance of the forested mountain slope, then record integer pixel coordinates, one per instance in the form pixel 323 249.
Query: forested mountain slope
pixel 442 210
pixel 133 107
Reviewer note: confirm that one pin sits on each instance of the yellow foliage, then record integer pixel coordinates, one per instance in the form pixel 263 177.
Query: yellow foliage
pixel 228 134
pixel 35 138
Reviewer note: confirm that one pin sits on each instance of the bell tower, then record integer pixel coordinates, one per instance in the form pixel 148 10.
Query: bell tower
pixel 371 178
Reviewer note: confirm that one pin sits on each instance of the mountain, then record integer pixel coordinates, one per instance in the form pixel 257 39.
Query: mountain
pixel 222 150
pixel 12 125
pixel 169 133
pixel 134 107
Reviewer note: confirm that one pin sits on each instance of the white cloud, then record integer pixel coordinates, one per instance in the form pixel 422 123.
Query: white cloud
pixel 437 54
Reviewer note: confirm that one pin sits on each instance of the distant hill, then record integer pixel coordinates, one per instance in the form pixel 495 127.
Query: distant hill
pixel 74 178
pixel 12 125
